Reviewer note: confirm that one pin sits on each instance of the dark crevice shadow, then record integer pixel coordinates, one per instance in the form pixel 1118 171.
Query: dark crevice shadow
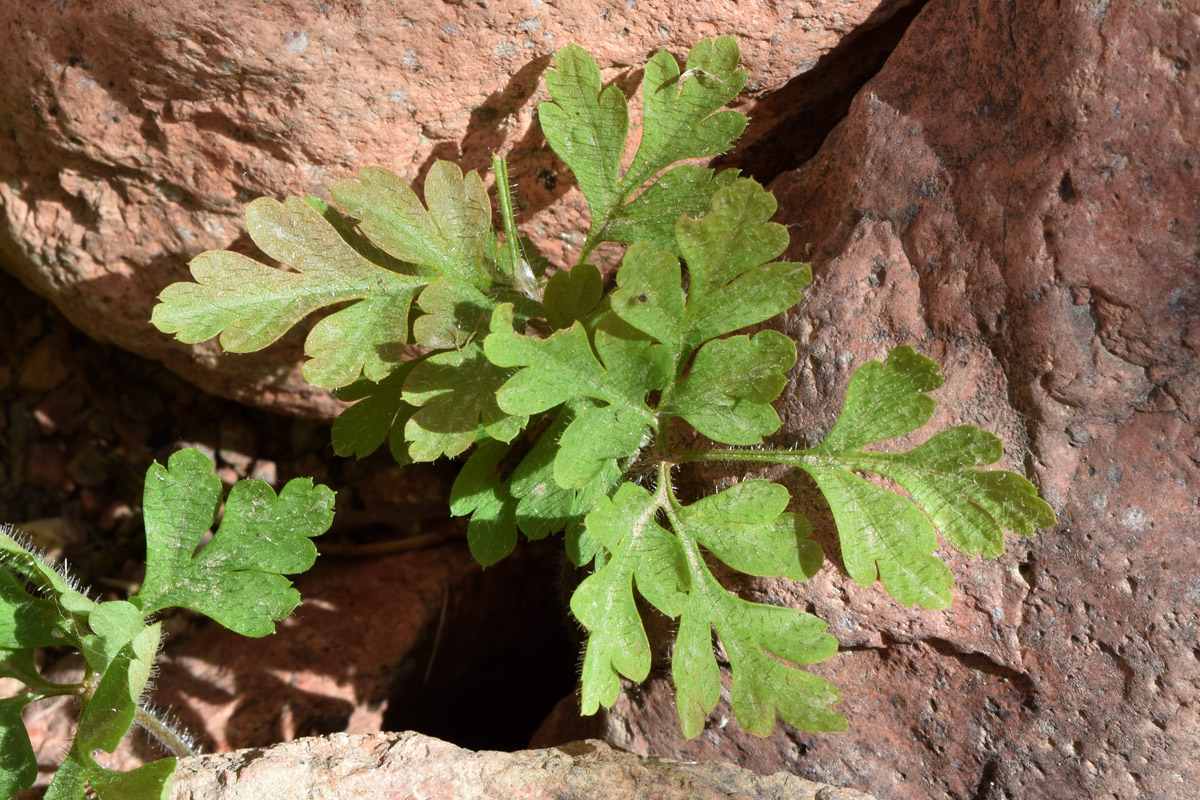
pixel 803 112
pixel 487 688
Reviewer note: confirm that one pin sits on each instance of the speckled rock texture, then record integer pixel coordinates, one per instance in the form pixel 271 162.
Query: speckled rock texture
pixel 409 765
pixel 136 132
pixel 1015 194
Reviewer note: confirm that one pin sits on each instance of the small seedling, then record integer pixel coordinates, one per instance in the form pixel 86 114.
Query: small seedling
pixel 237 578
pixel 569 400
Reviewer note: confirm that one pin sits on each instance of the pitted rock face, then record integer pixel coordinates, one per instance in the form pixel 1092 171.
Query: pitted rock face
pixel 138 132
pixel 1014 195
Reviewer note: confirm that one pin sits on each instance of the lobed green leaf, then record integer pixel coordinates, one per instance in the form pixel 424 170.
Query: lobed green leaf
pixel 237 578
pixel 893 538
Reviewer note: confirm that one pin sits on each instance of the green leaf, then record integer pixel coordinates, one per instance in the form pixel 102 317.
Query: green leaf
pixel 455 314
pixel 18 764
pixel 587 127
pixel 379 413
pixel 762 685
pixel 114 626
pixel 642 551
pixel 727 395
pixel 109 713
pixel 621 371
pixel 237 578
pixel 885 535
pixel 250 305
pixel 482 492
pixel 650 217
pixel 572 295
pixel 733 281
pixel 680 117
pixel 745 526
pixel 26 621
pixel 19 664
pixel 151 781
pixel 449 239
pixel 70 781
pixel 454 392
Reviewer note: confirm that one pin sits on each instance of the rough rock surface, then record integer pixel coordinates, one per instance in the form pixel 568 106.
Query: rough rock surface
pixel 1015 195
pixel 137 131
pixel 403 765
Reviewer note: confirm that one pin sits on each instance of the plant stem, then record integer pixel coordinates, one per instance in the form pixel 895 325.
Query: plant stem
pixel 165 731
pixel 792 457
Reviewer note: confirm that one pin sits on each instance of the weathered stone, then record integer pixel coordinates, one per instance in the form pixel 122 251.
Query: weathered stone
pixel 1015 195
pixel 137 132
pixel 411 765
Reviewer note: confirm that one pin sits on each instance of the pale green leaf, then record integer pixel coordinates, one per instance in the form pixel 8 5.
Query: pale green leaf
pixel 745 526
pixel 620 371
pixel 454 392
pixel 449 239
pixel 732 280
pixel 587 127
pixel 728 392
pixel 643 552
pixel 762 686
pixel 481 491
pixel 650 217
pixel 250 305
pixel 679 117
pixel 883 534
pixel 237 578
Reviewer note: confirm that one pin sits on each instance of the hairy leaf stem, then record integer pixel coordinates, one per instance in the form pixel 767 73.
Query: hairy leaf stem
pixel 166 731
pixel 792 457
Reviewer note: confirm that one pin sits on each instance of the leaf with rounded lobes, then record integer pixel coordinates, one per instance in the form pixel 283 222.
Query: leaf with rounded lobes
pixel 745 526
pixel 449 239
pixel 680 116
pixel 250 305
pixel 379 413
pixel 454 392
pixel 587 127
pixel 571 296
pixel 481 492
pixel 237 578
pixel 728 392
pixel 732 281
pixel 762 685
pixel 887 536
pixel 650 217
pixel 620 371
pixel 644 553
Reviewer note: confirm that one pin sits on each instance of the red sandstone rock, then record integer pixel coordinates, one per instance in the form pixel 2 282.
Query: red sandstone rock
pixel 1015 195
pixel 403 765
pixel 137 132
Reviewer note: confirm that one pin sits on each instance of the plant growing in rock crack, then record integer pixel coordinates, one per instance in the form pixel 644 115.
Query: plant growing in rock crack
pixel 569 398
pixel 236 578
